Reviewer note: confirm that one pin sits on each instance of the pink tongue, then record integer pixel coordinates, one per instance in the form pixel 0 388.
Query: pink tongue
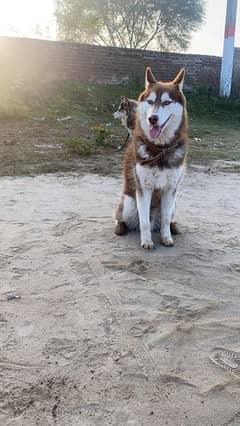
pixel 155 132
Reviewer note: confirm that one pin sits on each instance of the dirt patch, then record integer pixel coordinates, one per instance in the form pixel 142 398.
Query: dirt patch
pixel 105 333
pixel 31 147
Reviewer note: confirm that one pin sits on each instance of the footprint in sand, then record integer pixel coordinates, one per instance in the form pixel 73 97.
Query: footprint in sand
pixel 235 420
pixel 137 266
pixel 227 359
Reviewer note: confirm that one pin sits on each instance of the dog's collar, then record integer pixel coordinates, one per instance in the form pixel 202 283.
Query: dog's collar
pixel 160 153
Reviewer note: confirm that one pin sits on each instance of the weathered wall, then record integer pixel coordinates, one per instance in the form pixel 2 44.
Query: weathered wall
pixel 236 72
pixel 47 61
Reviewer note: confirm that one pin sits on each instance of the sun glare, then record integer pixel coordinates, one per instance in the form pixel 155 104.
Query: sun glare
pixel 26 17
pixel 35 18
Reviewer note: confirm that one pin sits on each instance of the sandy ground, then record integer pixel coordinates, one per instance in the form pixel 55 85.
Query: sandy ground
pixel 105 333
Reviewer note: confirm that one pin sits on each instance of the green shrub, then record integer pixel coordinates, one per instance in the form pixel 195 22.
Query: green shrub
pixel 101 133
pixel 79 146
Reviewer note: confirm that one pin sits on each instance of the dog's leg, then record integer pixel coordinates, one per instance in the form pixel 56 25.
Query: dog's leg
pixel 126 215
pixel 143 205
pixel 167 208
pixel 173 225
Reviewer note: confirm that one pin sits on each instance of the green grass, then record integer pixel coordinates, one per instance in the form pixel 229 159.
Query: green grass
pixel 79 146
pixel 214 122
pixel 12 108
pixel 214 126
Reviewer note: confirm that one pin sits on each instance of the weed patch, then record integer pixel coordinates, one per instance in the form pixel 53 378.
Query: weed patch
pixel 79 146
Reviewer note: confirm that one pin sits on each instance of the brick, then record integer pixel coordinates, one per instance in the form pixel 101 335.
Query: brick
pixel 57 60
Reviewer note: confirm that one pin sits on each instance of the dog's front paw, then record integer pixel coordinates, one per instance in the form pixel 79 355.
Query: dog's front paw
pixel 167 241
pixel 147 244
pixel 174 228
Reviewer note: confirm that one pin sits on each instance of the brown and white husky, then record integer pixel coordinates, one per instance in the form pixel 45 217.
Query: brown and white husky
pixel 154 161
pixel 127 113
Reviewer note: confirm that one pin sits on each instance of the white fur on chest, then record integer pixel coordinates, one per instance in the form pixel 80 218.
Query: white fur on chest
pixel 155 178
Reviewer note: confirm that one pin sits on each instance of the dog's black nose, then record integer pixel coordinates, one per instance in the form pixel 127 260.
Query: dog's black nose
pixel 153 119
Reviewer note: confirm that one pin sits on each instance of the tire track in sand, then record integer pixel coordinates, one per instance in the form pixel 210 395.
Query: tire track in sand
pixel 106 285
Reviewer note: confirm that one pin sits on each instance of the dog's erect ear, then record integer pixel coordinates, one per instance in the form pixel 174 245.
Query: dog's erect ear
pixel 124 99
pixel 149 78
pixel 179 79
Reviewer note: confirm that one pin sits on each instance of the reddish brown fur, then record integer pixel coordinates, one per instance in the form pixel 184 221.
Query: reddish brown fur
pixel 132 157
pixel 130 107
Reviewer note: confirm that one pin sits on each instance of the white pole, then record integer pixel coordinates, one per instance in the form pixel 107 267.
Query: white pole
pixel 228 49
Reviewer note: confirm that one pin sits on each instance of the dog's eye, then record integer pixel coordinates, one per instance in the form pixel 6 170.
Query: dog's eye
pixel 150 102
pixel 165 103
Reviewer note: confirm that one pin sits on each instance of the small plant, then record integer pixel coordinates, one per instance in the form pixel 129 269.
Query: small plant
pixel 79 146
pixel 101 134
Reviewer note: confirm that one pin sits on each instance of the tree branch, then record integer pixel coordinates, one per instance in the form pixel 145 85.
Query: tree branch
pixel 154 33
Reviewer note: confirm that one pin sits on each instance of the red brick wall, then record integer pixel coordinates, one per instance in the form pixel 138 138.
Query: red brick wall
pixel 46 61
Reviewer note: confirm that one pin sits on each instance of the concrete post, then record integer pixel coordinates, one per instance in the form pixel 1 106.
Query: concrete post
pixel 228 49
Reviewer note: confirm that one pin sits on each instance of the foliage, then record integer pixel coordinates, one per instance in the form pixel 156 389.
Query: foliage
pixel 165 24
pixel 101 133
pixel 12 108
pixel 79 146
pixel 204 103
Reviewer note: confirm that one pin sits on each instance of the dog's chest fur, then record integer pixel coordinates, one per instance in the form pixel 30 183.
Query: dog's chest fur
pixel 156 178
pixel 162 174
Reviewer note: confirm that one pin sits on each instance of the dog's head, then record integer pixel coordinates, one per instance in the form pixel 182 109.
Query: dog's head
pixel 161 109
pixel 126 107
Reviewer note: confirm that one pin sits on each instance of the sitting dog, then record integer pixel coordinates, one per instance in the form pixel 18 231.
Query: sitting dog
pixel 127 114
pixel 154 161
